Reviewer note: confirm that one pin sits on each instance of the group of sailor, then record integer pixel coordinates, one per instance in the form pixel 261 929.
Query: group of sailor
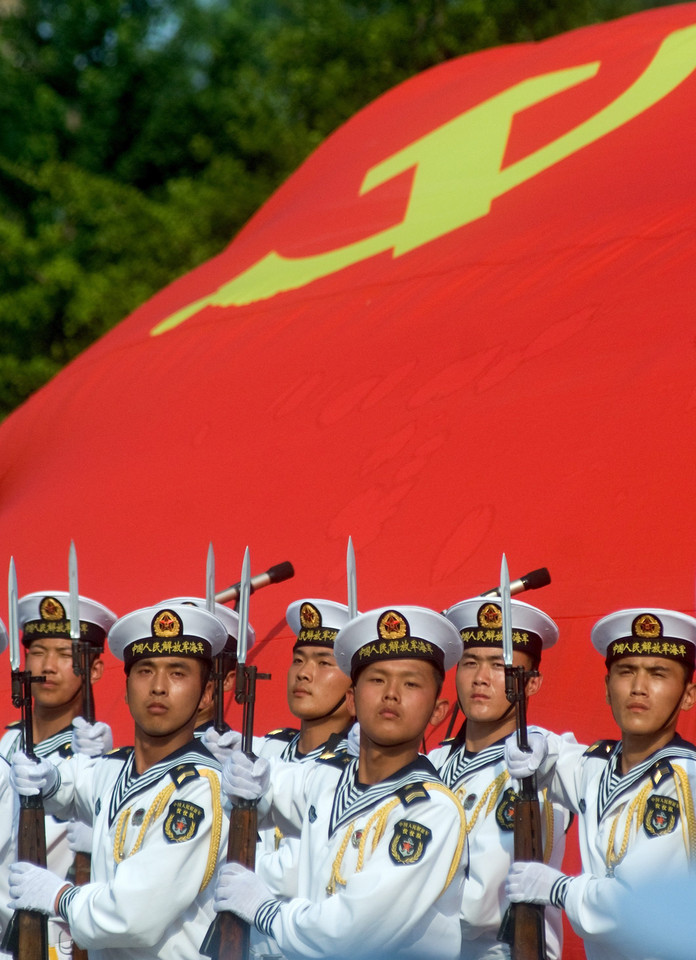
pixel 367 847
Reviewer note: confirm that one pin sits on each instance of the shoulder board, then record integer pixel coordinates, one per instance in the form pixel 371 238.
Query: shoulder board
pixel 602 749
pixel 119 753
pixel 183 772
pixel 341 759
pixel 447 742
pixel 283 733
pixel 412 793
pixel 661 769
pixel 14 725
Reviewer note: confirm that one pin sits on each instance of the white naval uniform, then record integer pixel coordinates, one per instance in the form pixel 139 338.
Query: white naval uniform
pixel 158 839
pixel 634 830
pixel 9 812
pixel 380 867
pixel 59 856
pixel 277 856
pixel 483 785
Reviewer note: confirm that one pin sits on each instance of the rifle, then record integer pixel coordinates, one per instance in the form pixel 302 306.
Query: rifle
pixel 82 652
pixel 26 936
pixel 228 936
pixel 523 924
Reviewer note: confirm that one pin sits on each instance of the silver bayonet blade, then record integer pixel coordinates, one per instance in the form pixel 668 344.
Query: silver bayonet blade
pixel 506 609
pixel 352 581
pixel 74 611
pixel 13 623
pixel 210 579
pixel 244 594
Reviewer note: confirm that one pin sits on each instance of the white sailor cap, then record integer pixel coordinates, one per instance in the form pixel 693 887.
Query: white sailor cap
pixel 316 623
pixel 646 632
pixel 397 633
pixel 4 640
pixel 47 614
pixel 229 617
pixel 174 630
pixel 480 624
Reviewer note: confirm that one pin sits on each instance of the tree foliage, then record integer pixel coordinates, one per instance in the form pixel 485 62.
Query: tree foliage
pixel 138 136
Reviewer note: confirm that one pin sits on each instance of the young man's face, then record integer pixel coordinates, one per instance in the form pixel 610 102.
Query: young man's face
pixel 51 657
pixel 646 694
pixel 480 683
pixel 315 683
pixel 163 693
pixel 394 701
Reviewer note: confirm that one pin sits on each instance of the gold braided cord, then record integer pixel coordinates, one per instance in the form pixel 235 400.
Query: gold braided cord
pixel 216 830
pixel 376 826
pixel 336 879
pixel 686 803
pixel 637 809
pixel 456 859
pixel 548 820
pixel 155 810
pixel 378 820
pixel 493 791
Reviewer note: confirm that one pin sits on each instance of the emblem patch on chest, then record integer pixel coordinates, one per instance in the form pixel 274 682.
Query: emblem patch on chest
pixel 661 816
pixel 182 821
pixel 409 841
pixel 505 811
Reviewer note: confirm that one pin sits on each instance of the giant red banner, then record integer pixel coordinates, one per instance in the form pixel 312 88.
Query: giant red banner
pixel 462 327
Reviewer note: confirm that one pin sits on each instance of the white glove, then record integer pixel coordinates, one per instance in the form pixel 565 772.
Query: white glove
pixel 241 891
pixel 353 740
pixel 31 777
pixel 34 888
pixel 244 778
pixel 521 764
pixel 79 836
pixel 91 739
pixel 221 745
pixel 531 882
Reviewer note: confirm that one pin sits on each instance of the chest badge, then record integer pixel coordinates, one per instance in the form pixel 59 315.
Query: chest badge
pixel 183 820
pixel 409 842
pixel 505 811
pixel 138 817
pixel 661 816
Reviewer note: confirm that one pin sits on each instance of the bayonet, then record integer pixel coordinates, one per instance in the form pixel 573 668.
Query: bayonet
pixel 352 581
pixel 12 617
pixel 210 579
pixel 506 611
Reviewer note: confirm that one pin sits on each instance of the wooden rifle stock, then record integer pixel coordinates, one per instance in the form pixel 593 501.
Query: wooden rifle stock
pixel 528 931
pixel 83 655
pixel 523 925
pixel 26 936
pixel 233 932
pixel 228 937
pixel 32 926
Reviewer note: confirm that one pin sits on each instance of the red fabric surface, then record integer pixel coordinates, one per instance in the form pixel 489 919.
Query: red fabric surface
pixel 520 380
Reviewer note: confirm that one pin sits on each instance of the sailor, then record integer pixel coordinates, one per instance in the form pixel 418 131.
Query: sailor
pixel 159 830
pixel 472 764
pixel 226 662
pixel 58 728
pixel 382 840
pixel 633 796
pixel 317 696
